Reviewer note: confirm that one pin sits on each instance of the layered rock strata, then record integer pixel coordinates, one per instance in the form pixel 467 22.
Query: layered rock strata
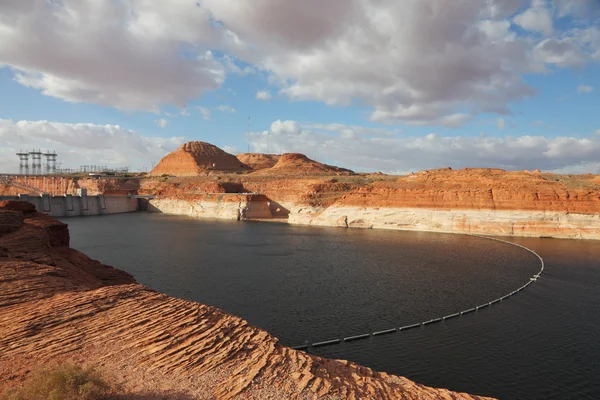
pixel 219 206
pixel 484 201
pixel 58 305
pixel 197 158
pixel 258 161
pixel 488 222
pixel 295 164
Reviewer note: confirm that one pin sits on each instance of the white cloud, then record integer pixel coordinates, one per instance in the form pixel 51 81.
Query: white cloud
pixel 415 61
pixel 114 53
pixel 289 127
pixel 419 62
pixel 79 144
pixel 538 18
pixel 358 130
pixel 449 121
pixel 412 153
pixel 585 89
pixel 185 112
pixel 563 53
pixel 205 112
pixel 500 123
pixel 230 149
pixel 162 122
pixel 500 9
pixel 226 109
pixel 578 8
pixel 597 131
pixel 263 95
pixel 231 66
pixel 496 30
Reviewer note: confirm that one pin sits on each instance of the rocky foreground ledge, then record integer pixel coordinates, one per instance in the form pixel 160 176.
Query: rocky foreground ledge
pixel 58 305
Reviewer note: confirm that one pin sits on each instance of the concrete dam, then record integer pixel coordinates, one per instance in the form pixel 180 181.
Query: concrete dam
pixel 80 205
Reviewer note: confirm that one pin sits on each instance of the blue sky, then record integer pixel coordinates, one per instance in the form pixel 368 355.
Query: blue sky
pixel 516 85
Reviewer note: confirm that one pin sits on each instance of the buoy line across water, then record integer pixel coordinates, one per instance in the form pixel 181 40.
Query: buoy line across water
pixel 432 321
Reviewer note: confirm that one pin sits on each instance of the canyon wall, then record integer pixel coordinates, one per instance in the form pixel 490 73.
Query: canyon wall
pixel 59 306
pixel 220 206
pixel 489 222
pixel 486 201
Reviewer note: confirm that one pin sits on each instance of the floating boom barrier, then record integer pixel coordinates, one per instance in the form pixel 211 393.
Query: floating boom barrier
pixel 435 320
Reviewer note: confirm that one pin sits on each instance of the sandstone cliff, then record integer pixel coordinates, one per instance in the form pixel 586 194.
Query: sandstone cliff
pixel 258 161
pixel 58 305
pixel 486 201
pixel 196 158
pixel 295 164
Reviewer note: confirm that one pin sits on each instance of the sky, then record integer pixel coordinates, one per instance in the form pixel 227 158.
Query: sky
pixel 371 85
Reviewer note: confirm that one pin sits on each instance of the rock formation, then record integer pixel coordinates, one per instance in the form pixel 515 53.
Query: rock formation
pixel 295 164
pixel 197 158
pixel 258 161
pixel 484 201
pixel 60 185
pixel 58 305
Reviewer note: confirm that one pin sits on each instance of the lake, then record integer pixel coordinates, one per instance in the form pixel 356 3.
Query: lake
pixel 313 284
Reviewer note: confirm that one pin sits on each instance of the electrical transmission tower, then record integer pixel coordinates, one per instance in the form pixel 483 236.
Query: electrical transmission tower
pixel 36 162
pixel 24 163
pixel 50 162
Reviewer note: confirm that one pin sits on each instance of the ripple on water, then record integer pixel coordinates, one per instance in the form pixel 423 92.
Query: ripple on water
pixel 315 284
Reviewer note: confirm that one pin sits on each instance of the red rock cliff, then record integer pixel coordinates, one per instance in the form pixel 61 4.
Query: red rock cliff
pixel 477 189
pixel 56 304
pixel 196 158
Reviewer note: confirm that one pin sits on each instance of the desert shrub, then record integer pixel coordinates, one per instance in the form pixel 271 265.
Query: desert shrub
pixel 63 382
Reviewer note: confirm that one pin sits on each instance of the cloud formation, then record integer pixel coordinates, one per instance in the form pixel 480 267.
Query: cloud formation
pixel 162 122
pixel 263 95
pixel 395 153
pixel 114 53
pixel 225 109
pixel 79 144
pixel 500 123
pixel 419 62
pixel 205 112
pixel 537 18
pixel 585 89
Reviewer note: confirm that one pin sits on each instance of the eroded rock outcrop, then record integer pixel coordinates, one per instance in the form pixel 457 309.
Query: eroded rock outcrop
pixel 486 201
pixel 258 161
pixel 481 201
pixel 196 158
pixel 56 304
pixel 296 164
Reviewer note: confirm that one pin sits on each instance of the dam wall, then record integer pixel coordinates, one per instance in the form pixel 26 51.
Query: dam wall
pixel 81 205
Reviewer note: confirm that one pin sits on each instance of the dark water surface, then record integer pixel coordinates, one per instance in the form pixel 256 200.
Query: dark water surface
pixel 307 283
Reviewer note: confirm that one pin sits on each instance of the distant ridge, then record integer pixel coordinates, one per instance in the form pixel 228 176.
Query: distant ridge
pixel 299 164
pixel 258 161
